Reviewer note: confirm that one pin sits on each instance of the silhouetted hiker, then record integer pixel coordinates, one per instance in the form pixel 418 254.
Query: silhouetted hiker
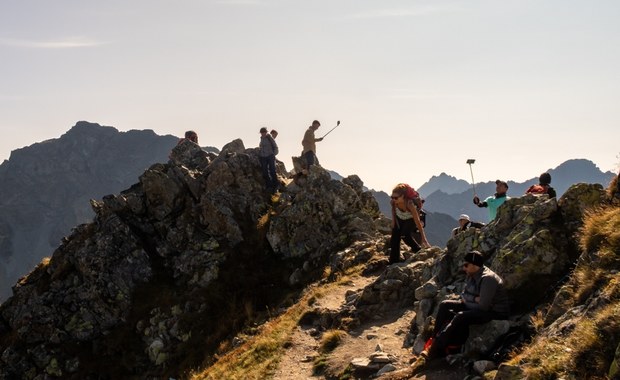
pixel 191 136
pixel 406 205
pixel 273 133
pixel 267 151
pixel 483 299
pixel 308 153
pixel 494 201
pixel 465 223
pixel 543 187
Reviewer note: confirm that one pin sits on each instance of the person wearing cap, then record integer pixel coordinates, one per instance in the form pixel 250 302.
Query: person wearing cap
pixel 483 299
pixel 267 151
pixel 494 201
pixel 465 223
pixel 309 145
pixel 543 187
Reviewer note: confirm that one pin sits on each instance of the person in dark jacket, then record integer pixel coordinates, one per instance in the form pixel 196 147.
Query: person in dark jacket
pixel 543 187
pixel 483 299
pixel 267 151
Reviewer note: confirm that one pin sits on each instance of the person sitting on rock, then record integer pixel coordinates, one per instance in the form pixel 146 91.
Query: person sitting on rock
pixel 494 201
pixel 543 187
pixel 483 299
pixel 406 205
pixel 465 223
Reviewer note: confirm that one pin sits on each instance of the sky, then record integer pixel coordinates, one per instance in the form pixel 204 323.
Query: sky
pixel 418 86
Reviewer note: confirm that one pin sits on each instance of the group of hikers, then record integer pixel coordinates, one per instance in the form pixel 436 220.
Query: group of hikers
pixel 483 298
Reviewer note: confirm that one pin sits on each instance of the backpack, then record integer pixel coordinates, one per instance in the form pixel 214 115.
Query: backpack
pixel 537 189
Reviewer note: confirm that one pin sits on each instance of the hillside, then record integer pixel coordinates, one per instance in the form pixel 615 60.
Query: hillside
pixel 196 271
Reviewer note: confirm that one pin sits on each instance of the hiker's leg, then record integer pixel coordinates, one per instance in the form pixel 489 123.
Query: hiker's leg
pixel 464 319
pixel 406 231
pixel 395 243
pixel 265 170
pixel 271 163
pixel 309 156
pixel 447 310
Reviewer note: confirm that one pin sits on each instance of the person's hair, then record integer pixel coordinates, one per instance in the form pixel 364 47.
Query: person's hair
pixel 263 130
pixel 191 135
pixel 409 193
pixel 316 122
pixel 544 179
pixel 273 131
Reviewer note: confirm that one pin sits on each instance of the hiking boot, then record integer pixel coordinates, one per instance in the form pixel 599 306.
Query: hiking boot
pixel 418 363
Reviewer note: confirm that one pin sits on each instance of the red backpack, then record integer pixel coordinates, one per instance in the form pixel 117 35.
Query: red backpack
pixel 537 189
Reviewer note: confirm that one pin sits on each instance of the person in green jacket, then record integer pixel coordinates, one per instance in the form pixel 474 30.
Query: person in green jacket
pixel 495 200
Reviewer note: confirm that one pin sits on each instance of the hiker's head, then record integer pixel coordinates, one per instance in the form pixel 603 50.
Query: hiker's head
pixel 463 219
pixel 274 133
pixel 501 187
pixel 316 124
pixel 472 262
pixel 263 131
pixel 191 136
pixel 544 179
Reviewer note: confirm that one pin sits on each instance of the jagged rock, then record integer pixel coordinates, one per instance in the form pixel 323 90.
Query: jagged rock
pixel 482 366
pixel 385 369
pixel 159 268
pixel 578 199
pixel 509 372
pixel 614 368
pixel 482 338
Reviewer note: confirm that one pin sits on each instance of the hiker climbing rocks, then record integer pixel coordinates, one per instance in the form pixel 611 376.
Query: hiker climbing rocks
pixel 308 153
pixel 406 205
pixel 543 187
pixel 267 151
pixel 483 299
pixel 494 201
pixel 465 223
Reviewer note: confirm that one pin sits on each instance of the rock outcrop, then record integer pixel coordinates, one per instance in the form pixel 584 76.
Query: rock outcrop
pixel 174 264
pixel 45 188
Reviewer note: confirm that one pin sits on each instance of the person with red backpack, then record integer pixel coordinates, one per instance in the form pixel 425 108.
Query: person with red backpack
pixel 543 187
pixel 406 206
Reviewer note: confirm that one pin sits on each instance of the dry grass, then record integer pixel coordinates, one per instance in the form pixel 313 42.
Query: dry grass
pixel 330 340
pixel 601 230
pixel 260 355
pixel 584 352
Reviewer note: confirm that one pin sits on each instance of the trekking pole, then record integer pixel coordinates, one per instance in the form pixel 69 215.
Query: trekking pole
pixel 328 132
pixel 469 162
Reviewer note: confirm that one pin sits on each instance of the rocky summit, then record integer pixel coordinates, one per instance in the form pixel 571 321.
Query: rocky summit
pixel 176 263
pixel 181 274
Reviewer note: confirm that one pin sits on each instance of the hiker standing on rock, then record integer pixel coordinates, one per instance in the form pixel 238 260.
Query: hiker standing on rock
pixel 406 204
pixel 543 187
pixel 465 223
pixel 267 151
pixel 494 201
pixel 308 153
pixel 483 299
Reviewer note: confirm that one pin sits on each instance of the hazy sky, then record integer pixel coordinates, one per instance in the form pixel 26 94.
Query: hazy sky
pixel 419 86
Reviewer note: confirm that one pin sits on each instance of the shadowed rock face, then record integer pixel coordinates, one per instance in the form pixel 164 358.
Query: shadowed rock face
pixel 164 271
pixel 45 188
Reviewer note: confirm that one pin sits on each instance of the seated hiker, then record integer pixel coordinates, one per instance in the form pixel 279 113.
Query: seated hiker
pixel 483 299
pixel 543 187
pixel 268 149
pixel 465 223
pixel 495 200
pixel 406 206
